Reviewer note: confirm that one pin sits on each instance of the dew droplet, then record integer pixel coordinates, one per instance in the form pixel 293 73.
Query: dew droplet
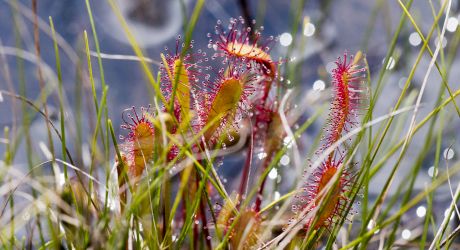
pixel 406 234
pixel 273 174
pixel 319 85
pixel 432 171
pixel 285 39
pixel 415 39
pixel 285 160
pixel 391 63
pixel 449 153
pixel 421 211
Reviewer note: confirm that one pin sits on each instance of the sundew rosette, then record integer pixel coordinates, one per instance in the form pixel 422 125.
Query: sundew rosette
pixel 239 41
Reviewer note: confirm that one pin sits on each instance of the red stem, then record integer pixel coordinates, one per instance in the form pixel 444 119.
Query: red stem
pixel 204 221
pixel 195 226
pixel 262 185
pixel 247 167
pixel 265 164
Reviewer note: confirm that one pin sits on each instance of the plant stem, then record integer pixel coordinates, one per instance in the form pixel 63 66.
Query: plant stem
pixel 247 167
pixel 260 192
pixel 204 221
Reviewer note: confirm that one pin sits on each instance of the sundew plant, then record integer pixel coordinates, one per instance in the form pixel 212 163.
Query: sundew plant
pixel 229 124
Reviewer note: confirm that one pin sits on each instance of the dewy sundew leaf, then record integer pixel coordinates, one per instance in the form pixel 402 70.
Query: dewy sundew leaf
pixel 247 229
pixel 229 98
pixel 180 77
pixel 140 142
pixel 240 41
pixel 225 103
pixel 334 204
pixel 349 94
pixel 183 86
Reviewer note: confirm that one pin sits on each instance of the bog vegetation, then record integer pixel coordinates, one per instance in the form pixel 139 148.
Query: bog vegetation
pixel 158 184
